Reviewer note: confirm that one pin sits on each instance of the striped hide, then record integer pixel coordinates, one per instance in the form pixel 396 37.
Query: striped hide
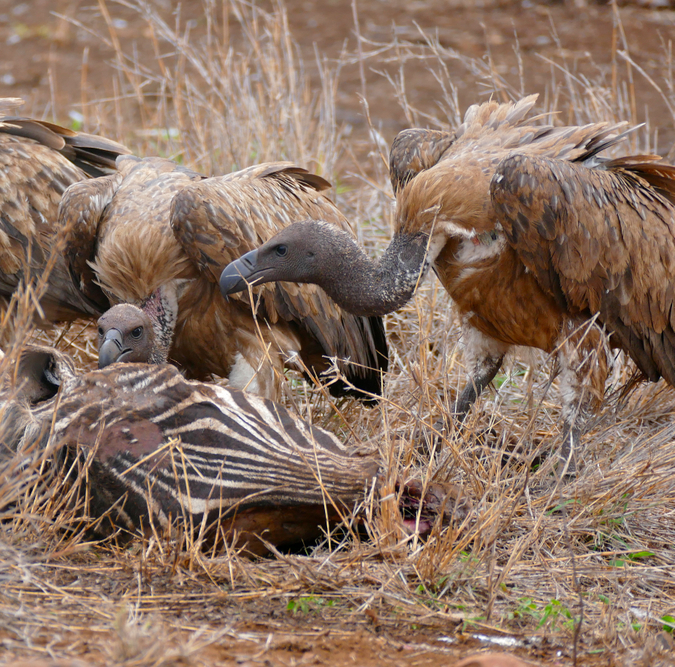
pixel 159 447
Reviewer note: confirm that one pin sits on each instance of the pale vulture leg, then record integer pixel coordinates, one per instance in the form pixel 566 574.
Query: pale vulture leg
pixel 483 357
pixel 261 358
pixel 582 356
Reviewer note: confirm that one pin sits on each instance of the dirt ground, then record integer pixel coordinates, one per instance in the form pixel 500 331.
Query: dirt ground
pixel 41 60
pixel 42 51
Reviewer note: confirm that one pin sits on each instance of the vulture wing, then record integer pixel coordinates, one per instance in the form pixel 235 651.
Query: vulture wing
pixel 219 219
pixel 118 237
pixel 80 213
pixel 38 161
pixel 600 240
pixel 415 150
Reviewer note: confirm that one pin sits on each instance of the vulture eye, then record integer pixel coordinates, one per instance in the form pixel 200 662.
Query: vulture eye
pixel 137 332
pixel 100 331
pixel 281 250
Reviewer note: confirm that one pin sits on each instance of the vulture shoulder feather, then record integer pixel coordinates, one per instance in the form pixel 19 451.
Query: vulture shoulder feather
pixel 118 239
pixel 449 196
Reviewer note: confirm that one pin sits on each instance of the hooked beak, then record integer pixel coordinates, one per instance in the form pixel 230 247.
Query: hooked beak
pixel 111 348
pixel 237 275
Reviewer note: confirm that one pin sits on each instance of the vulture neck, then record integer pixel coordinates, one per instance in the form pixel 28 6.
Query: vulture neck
pixel 162 309
pixel 366 287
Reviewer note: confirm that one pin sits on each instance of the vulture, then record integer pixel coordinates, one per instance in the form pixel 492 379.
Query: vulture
pixel 157 235
pixel 143 446
pixel 38 161
pixel 536 238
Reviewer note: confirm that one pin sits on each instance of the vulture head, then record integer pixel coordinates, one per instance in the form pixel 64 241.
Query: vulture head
pixel 127 334
pixel 296 254
pixel 316 252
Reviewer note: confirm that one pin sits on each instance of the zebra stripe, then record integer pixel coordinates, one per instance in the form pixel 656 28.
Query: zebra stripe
pixel 166 447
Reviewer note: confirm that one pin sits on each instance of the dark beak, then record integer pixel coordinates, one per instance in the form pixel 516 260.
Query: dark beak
pixel 111 348
pixel 236 276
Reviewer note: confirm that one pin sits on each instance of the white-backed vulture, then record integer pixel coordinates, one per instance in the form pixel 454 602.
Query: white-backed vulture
pixel 148 447
pixel 530 232
pixel 38 161
pixel 157 235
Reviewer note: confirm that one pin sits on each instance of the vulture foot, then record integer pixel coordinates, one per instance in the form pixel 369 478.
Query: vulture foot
pixel 485 368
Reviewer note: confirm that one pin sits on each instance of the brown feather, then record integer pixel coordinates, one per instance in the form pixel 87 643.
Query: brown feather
pixel 602 243
pixel 38 161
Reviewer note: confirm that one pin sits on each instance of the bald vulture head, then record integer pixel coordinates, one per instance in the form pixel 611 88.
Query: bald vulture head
pixel 317 252
pixel 298 253
pixel 126 334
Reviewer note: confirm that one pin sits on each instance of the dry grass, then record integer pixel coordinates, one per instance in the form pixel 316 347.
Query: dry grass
pixel 538 558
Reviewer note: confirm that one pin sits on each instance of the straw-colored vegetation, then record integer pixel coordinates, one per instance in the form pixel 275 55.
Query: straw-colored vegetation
pixel 583 566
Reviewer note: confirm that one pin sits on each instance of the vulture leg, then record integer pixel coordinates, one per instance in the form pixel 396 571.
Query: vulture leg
pixel 484 356
pixel 483 373
pixel 582 356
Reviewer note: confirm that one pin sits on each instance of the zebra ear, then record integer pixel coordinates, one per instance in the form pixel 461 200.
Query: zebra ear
pixel 40 372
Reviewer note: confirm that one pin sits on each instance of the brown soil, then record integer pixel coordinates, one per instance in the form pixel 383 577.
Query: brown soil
pixel 41 51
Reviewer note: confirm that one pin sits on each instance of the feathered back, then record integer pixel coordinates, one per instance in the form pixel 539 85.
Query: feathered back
pixel 454 186
pixel 119 238
pixel 38 161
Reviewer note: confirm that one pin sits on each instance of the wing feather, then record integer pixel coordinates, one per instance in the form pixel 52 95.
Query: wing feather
pixel 415 150
pixel 38 162
pixel 600 240
pixel 80 213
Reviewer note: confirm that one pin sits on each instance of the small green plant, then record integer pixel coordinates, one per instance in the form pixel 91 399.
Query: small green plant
pixel 554 613
pixel 562 505
pixel 305 605
pixel 526 608
pixel 630 558
pixel 470 623
pixel 669 623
